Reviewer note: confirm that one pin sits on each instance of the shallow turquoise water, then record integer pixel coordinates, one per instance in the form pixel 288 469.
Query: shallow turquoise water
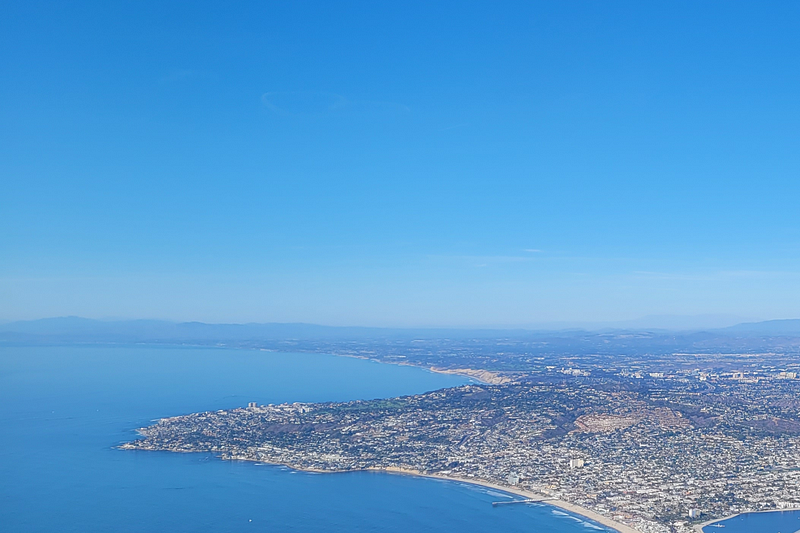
pixel 63 409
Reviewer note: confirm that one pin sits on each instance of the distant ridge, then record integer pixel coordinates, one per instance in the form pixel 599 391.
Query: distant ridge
pixel 487 345
pixel 77 329
pixel 790 326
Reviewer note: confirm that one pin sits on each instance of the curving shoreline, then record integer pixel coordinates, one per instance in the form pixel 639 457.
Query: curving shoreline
pixel 555 502
pixel 571 507
pixel 487 377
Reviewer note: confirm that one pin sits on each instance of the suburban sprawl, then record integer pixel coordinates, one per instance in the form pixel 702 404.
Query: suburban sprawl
pixel 658 442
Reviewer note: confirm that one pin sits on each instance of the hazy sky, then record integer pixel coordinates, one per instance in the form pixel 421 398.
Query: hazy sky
pixel 399 163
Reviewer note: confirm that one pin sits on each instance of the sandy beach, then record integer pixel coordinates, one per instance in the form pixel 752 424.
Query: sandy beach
pixel 484 376
pixel 572 508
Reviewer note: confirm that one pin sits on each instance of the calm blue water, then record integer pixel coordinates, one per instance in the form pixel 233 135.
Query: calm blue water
pixel 62 409
pixel 778 522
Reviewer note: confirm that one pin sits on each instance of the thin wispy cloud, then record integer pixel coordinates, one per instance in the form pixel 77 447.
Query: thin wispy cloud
pixel 289 103
pixel 297 103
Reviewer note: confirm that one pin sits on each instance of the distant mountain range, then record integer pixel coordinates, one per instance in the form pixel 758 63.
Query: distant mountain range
pixel 84 329
pixel 76 329
pixel 769 327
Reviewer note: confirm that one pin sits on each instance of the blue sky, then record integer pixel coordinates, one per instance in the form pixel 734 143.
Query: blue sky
pixel 376 163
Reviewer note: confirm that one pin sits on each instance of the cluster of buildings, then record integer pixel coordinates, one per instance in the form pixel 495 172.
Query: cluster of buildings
pixel 658 456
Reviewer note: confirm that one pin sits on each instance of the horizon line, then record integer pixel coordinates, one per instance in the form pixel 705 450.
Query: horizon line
pixel 562 325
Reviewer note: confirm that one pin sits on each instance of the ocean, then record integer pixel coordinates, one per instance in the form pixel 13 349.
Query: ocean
pixel 64 409
pixel 772 522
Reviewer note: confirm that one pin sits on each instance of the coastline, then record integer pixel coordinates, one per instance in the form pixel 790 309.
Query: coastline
pixel 487 377
pixel 699 527
pixel 484 376
pixel 555 502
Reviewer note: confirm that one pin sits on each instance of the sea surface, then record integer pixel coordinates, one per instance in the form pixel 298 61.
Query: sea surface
pixel 64 409
pixel 773 522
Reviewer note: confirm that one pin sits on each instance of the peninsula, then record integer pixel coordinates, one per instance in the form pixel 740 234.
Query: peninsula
pixel 653 451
